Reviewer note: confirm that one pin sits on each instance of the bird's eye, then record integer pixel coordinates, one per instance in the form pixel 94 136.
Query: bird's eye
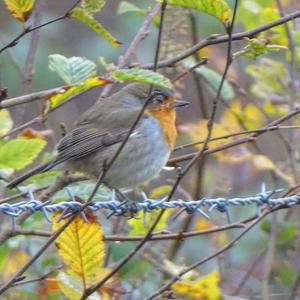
pixel 158 98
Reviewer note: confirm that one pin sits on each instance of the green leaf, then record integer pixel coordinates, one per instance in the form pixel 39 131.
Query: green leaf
pixel 67 92
pixel 142 75
pixel 287 234
pixel 18 153
pixel 213 79
pixel 72 70
pixel 257 47
pixel 127 7
pixel 6 122
pixel 142 223
pixel 215 8
pixel 89 20
pixel 92 6
pixel 269 79
pixel 252 13
pixel 287 274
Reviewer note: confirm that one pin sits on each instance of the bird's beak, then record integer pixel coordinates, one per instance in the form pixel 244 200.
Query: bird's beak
pixel 180 103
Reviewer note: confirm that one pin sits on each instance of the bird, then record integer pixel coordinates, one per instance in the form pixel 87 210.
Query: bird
pixel 99 132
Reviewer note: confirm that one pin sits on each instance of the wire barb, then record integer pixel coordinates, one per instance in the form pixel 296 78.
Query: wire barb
pixel 147 205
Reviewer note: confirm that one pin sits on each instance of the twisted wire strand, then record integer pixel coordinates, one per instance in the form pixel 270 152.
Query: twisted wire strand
pixel 147 205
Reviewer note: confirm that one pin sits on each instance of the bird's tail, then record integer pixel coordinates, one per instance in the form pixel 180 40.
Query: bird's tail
pixel 40 169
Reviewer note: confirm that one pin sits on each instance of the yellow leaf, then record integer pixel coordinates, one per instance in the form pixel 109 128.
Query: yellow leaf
pixel 140 224
pixel 6 122
pixel 263 163
pixel 20 9
pixel 205 288
pixel 275 110
pixel 175 269
pixel 235 155
pixel 81 247
pixel 203 224
pixel 220 238
pixel 72 286
pixel 198 132
pixel 89 20
pixel 80 87
pixel 248 114
pixel 160 191
pixel 13 262
pixel 112 288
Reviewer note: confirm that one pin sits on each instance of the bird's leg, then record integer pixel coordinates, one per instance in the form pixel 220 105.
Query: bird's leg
pixel 178 169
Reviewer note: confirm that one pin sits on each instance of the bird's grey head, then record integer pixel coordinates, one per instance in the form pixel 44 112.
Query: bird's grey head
pixel 138 93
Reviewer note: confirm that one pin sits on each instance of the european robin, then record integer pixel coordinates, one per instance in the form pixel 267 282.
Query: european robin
pixel 100 130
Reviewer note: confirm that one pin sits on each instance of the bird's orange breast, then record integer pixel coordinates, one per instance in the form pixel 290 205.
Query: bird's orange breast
pixel 166 117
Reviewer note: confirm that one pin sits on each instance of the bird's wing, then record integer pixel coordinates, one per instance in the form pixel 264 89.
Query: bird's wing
pixel 86 139
pixel 83 141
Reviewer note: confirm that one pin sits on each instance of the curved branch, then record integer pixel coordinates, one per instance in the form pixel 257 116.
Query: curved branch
pixel 213 39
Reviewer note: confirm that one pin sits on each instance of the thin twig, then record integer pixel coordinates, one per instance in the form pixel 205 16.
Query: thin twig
pixel 208 258
pixel 136 238
pixel 125 260
pixel 213 40
pixel 229 135
pixel 239 141
pixel 139 37
pixel 31 29
pixel 8 284
pixel 293 93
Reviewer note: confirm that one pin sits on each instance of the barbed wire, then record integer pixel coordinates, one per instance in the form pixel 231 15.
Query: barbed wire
pixel 146 205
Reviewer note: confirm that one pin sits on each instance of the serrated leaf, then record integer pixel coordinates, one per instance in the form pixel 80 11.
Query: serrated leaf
pixel 160 191
pixel 6 122
pixel 213 79
pixel 142 75
pixel 15 259
pixel 81 247
pixel 18 153
pixel 127 7
pixel 92 6
pixel 71 285
pixel 72 70
pixel 215 8
pixel 207 287
pixel 142 223
pixel 257 47
pixel 67 92
pixel 286 235
pixel 252 13
pixel 20 9
pixel 89 20
pixel 251 116
pixel 198 132
pixel 270 79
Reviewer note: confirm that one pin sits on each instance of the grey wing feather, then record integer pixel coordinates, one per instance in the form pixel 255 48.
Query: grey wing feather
pixel 83 141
